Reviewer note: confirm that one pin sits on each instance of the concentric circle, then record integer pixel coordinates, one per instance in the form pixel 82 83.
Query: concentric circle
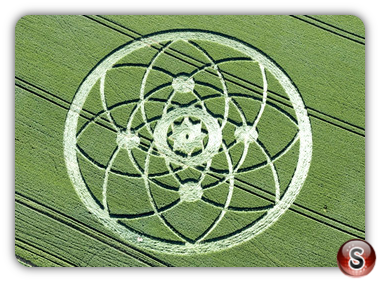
pixel 213 145
pixel 247 133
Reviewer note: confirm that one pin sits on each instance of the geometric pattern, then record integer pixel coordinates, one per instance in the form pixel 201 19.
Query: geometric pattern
pixel 192 135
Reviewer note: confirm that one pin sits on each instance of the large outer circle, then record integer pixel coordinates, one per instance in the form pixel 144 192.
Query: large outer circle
pixel 305 151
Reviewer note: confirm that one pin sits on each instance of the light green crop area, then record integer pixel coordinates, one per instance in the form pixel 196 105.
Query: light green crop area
pixel 232 140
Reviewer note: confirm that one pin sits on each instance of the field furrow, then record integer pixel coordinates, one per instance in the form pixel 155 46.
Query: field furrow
pixel 89 231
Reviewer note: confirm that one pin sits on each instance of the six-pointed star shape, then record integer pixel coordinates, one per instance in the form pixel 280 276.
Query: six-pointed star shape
pixel 187 136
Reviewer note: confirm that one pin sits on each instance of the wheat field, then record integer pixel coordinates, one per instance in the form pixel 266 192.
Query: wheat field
pixel 188 140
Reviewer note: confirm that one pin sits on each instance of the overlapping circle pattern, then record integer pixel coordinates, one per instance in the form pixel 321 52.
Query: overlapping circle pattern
pixel 191 128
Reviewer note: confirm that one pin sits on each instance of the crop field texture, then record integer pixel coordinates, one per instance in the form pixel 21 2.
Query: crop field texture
pixel 188 140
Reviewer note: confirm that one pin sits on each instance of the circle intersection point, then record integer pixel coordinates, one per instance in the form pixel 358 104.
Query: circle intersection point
pixel 183 84
pixel 191 191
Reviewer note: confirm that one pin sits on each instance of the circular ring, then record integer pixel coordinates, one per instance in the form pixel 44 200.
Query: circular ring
pixel 215 135
pixel 272 215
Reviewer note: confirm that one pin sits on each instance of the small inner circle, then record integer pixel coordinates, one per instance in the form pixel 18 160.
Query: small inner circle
pixel 187 135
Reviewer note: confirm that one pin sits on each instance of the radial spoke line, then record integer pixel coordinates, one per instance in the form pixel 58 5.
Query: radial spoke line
pixel 167 173
pixel 229 195
pixel 90 121
pixel 166 208
pixel 242 116
pixel 264 100
pixel 283 112
pixel 145 176
pixel 237 209
pixel 276 156
pixel 225 91
pixel 143 84
pixel 104 104
pixel 106 174
pixel 198 97
pixel 172 173
pixel 205 172
pixel 151 199
pixel 143 66
pixel 217 62
pixel 243 156
pixel 140 104
pixel 135 164
pixel 273 168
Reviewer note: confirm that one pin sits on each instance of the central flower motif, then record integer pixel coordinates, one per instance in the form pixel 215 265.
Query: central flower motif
pixel 187 136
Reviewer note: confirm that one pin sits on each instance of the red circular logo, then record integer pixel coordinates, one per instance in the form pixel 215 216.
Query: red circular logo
pixel 356 258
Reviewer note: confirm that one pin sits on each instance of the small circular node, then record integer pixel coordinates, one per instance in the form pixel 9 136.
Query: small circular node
pixel 127 140
pixel 190 192
pixel 246 133
pixel 183 84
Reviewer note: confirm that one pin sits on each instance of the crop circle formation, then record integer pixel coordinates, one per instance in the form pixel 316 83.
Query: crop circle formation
pixel 186 137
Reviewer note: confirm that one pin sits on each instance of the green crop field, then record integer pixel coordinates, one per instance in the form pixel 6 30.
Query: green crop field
pixel 188 140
